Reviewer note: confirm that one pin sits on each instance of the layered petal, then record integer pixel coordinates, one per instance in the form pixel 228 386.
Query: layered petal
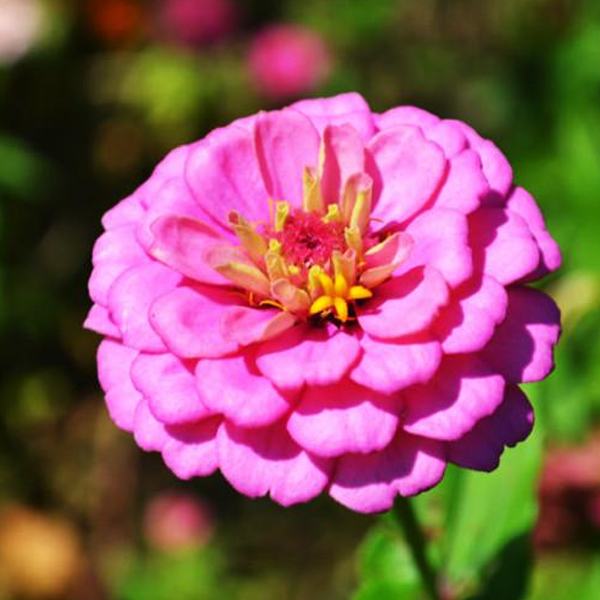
pixel 149 433
pixel 369 483
pixel 286 142
pixel 389 366
pixel 332 420
pixel 191 450
pixel 350 109
pixel 267 461
pixel 189 321
pixel 405 305
pixel 522 348
pixel 169 387
pixel 469 321
pixel 503 245
pixel 305 355
pixel 464 391
pixel 508 425
pixel 406 169
pixel 129 302
pixel 114 366
pixel 234 387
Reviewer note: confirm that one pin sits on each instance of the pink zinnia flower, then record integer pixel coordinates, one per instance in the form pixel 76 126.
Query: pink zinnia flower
pixel 326 299
pixel 288 60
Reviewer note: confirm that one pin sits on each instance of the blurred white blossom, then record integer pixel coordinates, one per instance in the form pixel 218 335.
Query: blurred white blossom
pixel 20 25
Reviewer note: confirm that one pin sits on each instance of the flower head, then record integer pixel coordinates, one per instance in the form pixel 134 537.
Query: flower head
pixel 325 298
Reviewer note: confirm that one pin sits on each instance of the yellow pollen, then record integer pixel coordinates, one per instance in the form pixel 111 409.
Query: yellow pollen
pixel 336 295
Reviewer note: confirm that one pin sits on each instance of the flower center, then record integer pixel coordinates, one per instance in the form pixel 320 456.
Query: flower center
pixel 314 261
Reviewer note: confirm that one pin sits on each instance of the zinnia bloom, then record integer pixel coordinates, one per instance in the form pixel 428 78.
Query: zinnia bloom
pixel 326 299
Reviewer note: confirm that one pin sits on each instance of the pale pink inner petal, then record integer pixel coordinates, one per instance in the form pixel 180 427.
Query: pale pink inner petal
pixel 305 354
pixel 245 325
pixel 234 387
pixel 261 461
pixel 463 391
pixel 405 305
pixel 522 348
pixel 332 420
pixel 343 155
pixel 391 366
pixel 286 142
pixel 407 466
pixel 406 170
pixel 511 423
pixel 189 321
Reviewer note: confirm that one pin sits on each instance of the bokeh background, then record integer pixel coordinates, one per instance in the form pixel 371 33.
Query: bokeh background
pixel 92 94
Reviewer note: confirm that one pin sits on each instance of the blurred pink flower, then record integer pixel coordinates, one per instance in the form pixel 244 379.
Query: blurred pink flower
pixel 20 24
pixel 177 521
pixel 196 23
pixel 324 298
pixel 288 60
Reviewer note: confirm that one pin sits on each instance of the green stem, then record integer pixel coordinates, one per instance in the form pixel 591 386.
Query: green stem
pixel 406 518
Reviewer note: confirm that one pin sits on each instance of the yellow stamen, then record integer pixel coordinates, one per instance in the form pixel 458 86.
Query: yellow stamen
pixel 321 304
pixel 326 283
pixel 333 214
pixel 282 211
pixel 340 286
pixel 341 309
pixel 358 292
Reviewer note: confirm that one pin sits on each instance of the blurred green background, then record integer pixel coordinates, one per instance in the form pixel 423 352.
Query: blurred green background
pixel 92 94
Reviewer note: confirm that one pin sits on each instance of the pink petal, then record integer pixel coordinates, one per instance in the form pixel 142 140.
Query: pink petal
pixel 114 252
pixel 261 461
pixel 183 244
pixel 191 450
pixel 510 424
pixel 99 320
pixel 286 142
pixel 114 365
pixel 523 344
pixel 389 367
pixel 235 388
pixel 350 109
pixel 149 433
pixel 189 321
pixel 406 115
pixel 344 155
pixel 330 421
pixel 503 245
pixel 469 321
pixel 307 355
pixel 448 136
pixel 407 170
pixel 496 168
pixel 129 303
pixel 407 466
pixel 127 212
pixel 462 392
pixel 223 175
pixel 169 386
pixel 441 240
pixel 521 203
pixel 404 305
pixel 246 325
pixel 465 184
